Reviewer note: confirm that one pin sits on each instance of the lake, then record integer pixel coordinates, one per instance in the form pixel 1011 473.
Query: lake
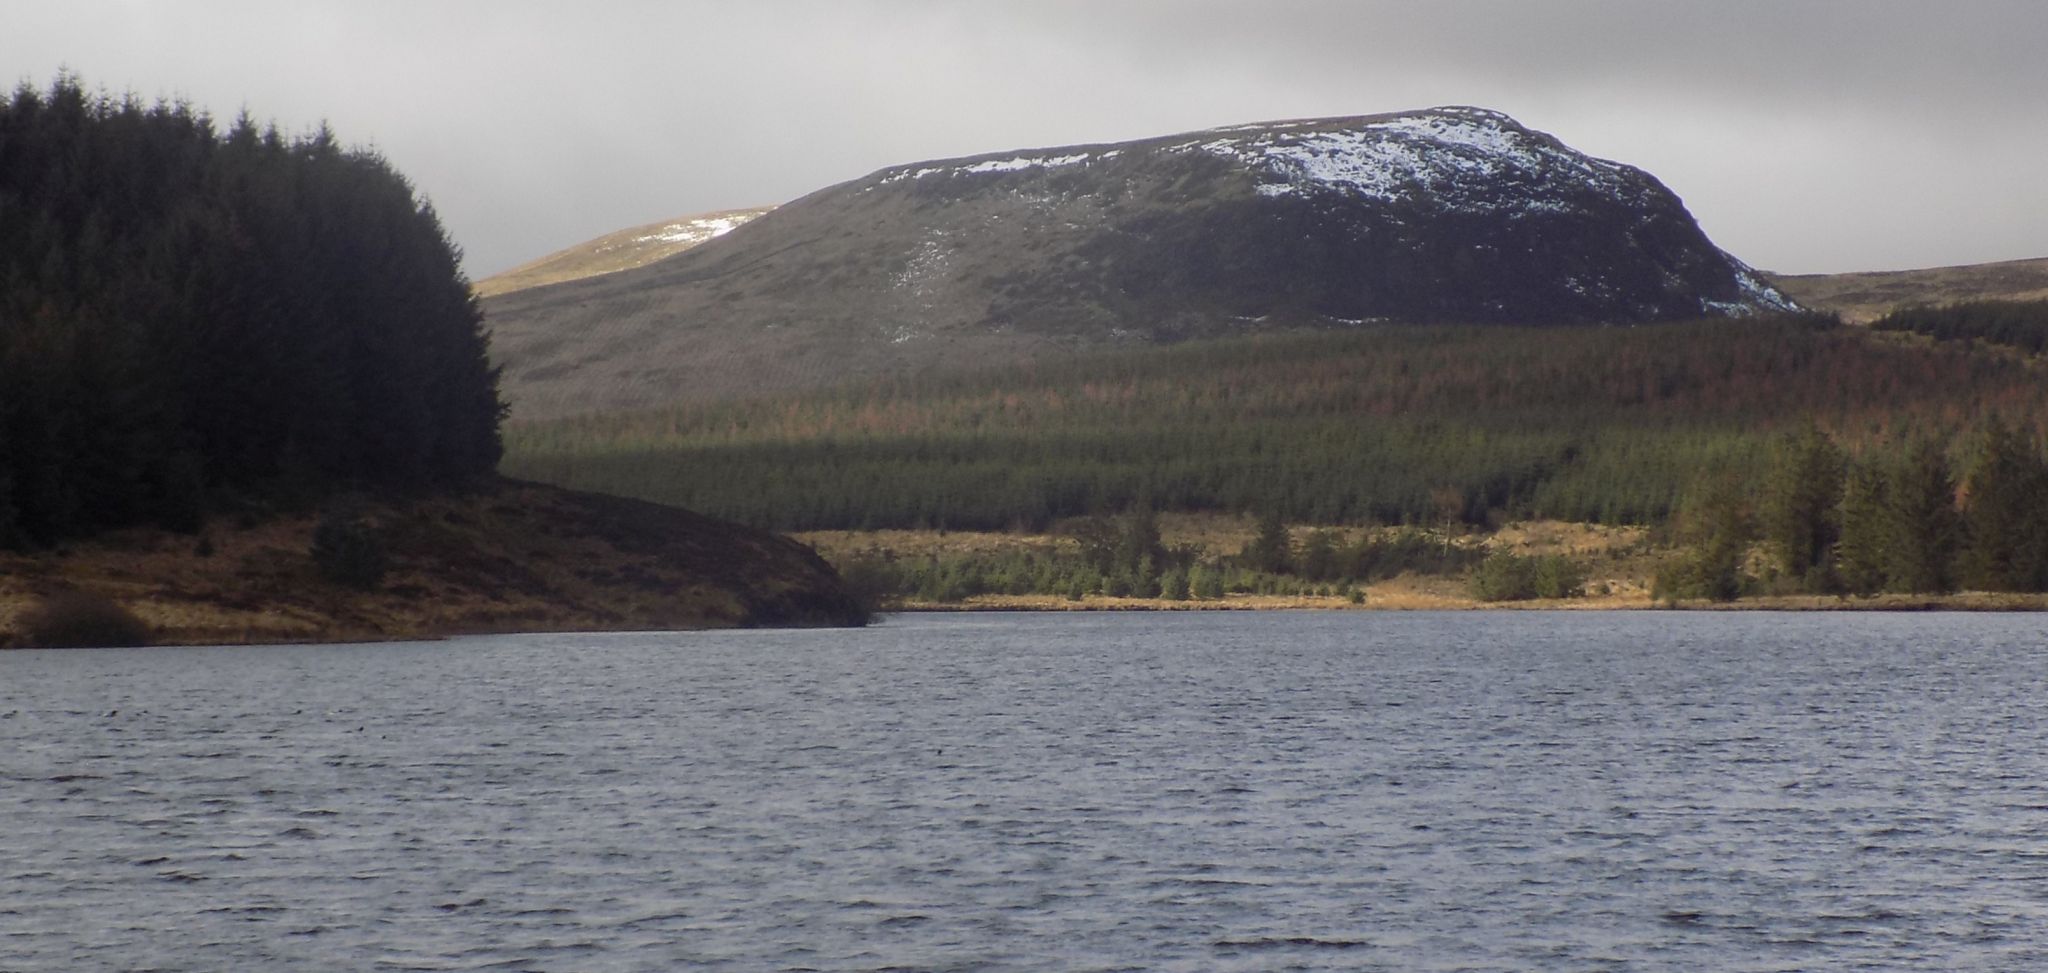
pixel 1198 791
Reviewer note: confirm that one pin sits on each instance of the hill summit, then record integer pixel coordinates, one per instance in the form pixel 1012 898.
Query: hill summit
pixel 1445 215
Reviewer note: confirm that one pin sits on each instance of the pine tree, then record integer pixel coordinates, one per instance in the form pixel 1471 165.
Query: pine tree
pixel 1318 559
pixel 1800 519
pixel 1271 549
pixel 2003 528
pixel 1137 543
pixel 1715 524
pixel 1921 527
pixel 1862 554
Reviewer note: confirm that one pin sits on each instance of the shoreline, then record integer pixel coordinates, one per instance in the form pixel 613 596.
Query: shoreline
pixel 1969 601
pixel 504 557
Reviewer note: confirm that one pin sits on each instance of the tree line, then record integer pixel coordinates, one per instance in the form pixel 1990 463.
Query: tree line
pixel 2014 324
pixel 1123 557
pixel 1375 425
pixel 1907 519
pixel 189 314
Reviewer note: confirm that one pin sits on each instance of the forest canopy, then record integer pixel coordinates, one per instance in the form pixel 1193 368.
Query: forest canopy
pixel 188 314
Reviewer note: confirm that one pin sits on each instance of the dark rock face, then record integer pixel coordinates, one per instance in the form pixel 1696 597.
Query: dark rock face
pixel 1452 215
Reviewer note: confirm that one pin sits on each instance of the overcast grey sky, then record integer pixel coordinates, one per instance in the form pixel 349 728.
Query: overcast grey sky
pixel 1806 135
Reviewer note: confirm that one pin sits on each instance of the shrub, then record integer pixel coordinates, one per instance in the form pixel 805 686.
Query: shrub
pixel 1509 577
pixel 876 582
pixel 81 620
pixel 1712 573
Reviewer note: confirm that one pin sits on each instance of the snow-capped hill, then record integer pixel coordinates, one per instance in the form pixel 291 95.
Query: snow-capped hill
pixel 1402 171
pixel 1457 156
pixel 1453 215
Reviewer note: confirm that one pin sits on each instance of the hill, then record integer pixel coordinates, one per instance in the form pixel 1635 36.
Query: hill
pixel 1865 297
pixel 623 250
pixel 1860 297
pixel 509 556
pixel 1453 214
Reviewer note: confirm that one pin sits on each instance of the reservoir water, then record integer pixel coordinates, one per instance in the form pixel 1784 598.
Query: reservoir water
pixel 1275 791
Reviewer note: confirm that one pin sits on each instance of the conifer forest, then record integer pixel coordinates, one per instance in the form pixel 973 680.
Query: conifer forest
pixel 192 314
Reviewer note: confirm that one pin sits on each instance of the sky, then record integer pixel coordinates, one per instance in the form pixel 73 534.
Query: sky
pixel 1806 136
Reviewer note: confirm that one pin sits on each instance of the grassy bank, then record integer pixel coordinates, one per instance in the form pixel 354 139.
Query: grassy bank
pixel 506 557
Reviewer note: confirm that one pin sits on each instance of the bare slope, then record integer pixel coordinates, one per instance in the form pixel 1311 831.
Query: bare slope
pixel 1866 297
pixel 1454 214
pixel 623 250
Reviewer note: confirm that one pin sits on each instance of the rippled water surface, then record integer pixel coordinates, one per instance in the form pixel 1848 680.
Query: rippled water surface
pixel 1518 791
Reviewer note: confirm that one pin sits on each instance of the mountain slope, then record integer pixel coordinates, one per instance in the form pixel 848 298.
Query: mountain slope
pixel 623 250
pixel 1454 214
pixel 1860 296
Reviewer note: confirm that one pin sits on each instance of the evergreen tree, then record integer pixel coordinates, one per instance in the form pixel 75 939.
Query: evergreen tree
pixel 1318 558
pixel 1272 548
pixel 1137 547
pixel 1800 519
pixel 2005 515
pixel 1716 526
pixel 1175 586
pixel 1921 528
pixel 1862 555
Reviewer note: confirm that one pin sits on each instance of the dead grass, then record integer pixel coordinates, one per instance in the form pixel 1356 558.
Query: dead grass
pixel 608 254
pixel 513 557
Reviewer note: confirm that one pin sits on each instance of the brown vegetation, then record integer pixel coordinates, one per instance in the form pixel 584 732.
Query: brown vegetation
pixel 1865 297
pixel 509 557
pixel 611 253
pixel 69 619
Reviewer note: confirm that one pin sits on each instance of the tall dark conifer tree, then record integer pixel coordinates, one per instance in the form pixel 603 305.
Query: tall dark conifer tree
pixel 1921 527
pixel 2005 515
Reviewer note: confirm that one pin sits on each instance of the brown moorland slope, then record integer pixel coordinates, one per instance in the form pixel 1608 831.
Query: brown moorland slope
pixel 510 556
pixel 1865 297
pixel 622 250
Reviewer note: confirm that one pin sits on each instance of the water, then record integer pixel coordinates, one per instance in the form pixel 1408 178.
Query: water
pixel 1517 791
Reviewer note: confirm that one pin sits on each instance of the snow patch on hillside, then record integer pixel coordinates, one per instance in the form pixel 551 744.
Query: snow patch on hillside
pixel 1458 156
pixel 1757 296
pixel 986 166
pixel 693 232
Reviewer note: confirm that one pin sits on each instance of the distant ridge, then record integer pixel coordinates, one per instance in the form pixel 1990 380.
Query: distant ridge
pixel 1865 297
pixel 623 250
pixel 1445 215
